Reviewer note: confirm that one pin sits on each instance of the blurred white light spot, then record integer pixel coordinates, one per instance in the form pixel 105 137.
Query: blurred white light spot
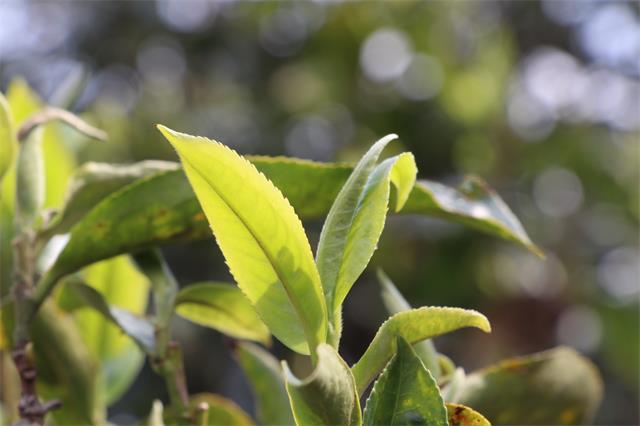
pixel 568 12
pixel 612 36
pixel 284 32
pixel 187 16
pixel 312 137
pixel 557 192
pixel 528 117
pixel 161 62
pixel 522 273
pixel 118 89
pixel 385 55
pixel 619 274
pixel 579 327
pixel 422 79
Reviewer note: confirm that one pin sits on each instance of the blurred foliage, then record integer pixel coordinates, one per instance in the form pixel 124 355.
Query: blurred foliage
pixel 541 99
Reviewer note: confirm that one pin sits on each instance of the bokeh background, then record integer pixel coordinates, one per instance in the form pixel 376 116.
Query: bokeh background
pixel 541 99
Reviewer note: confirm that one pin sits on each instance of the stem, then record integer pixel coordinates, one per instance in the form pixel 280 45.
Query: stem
pixel 29 407
pixel 171 367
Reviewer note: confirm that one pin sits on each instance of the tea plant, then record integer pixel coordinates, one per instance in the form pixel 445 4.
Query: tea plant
pixel 78 324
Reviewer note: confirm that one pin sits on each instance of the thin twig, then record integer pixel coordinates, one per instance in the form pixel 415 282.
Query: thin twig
pixel 56 114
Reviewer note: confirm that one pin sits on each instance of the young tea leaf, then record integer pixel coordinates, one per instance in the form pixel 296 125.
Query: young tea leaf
pixel 556 387
pixel 405 393
pixel 222 307
pixel 354 223
pixel 30 181
pixel 414 325
pixel 328 396
pixel 267 382
pixel 261 238
pixel 395 303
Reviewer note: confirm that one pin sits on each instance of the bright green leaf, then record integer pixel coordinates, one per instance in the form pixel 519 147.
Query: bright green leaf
pixel 405 393
pixel 460 415
pixel 219 411
pixel 222 307
pixel 355 221
pixel 122 286
pixel 261 238
pixel 30 181
pixel 395 303
pixel 414 325
pixel 93 182
pixel 556 387
pixel 267 382
pixel 328 396
pixel 7 138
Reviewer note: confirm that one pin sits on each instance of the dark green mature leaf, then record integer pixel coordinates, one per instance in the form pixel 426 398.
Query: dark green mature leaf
pixel 395 303
pixel 144 214
pixel 222 307
pixel 354 223
pixel 414 325
pixel 405 393
pixel 139 329
pixel 267 381
pixel 66 368
pixel 473 204
pixel 139 216
pixel 460 415
pixel 261 237
pixel 328 396
pixel 556 387
pixel 94 181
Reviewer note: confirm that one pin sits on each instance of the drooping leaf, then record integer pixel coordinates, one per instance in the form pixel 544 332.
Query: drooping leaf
pixel 123 287
pixel 328 396
pixel 7 137
pixel 474 204
pixel 222 307
pixel 405 393
pixel 414 325
pixel 219 411
pixel 93 182
pixel 59 164
pixel 460 415
pixel 355 221
pixel 395 303
pixel 261 238
pixel 66 368
pixel 267 382
pixel 137 328
pixel 558 387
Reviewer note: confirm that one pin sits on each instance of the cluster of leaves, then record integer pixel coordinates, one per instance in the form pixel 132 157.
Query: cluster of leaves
pixel 97 262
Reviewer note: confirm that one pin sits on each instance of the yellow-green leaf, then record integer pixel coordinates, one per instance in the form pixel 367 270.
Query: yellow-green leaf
pixel 414 325
pixel 405 393
pixel 219 411
pixel 355 221
pixel 222 307
pixel 261 238
pixel 7 137
pixel 328 396
pixel 460 415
